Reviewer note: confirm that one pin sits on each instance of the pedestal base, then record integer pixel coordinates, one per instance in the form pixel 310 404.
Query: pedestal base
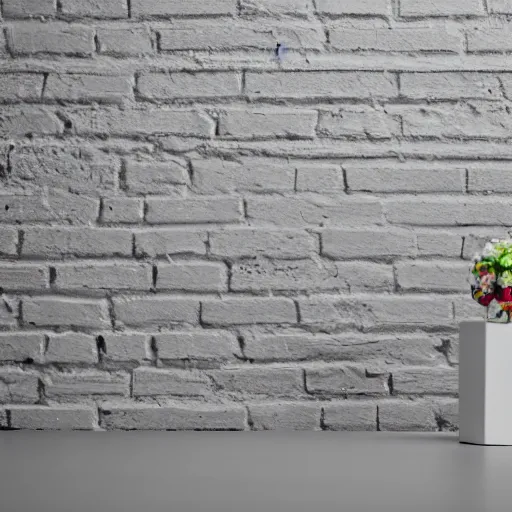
pixel 485 383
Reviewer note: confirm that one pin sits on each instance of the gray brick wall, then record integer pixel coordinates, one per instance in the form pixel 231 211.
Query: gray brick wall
pixel 245 214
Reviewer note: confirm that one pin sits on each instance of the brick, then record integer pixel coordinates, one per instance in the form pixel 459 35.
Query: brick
pixel 248 243
pixel 14 276
pixel 219 35
pixel 65 311
pixel 125 347
pixel 103 276
pixel 160 242
pixel 489 180
pixel 249 311
pixel 500 6
pixel 169 177
pixel 391 349
pixel 417 8
pixel 192 277
pixel 85 88
pixel 255 175
pixel 383 311
pixel 164 8
pixel 8 241
pixel 21 347
pixel 69 386
pixel 450 86
pixel 260 381
pixel 447 414
pixel 172 417
pixel 29 121
pixel 414 39
pixel 28 8
pixel 475 243
pixel 71 347
pixel 268 122
pixel 321 84
pixel 397 415
pixel 141 121
pixel 467 309
pixel 447 211
pixel 56 417
pixel 121 210
pixel 430 381
pixel 9 311
pixel 161 86
pixel 94 8
pixel 401 178
pixel 193 211
pixel 49 242
pixel 79 169
pixel 350 416
pixel 310 275
pixel 432 276
pixel 325 211
pixel 439 244
pixel 55 38
pixel 4 423
pixel 157 382
pixel 17 87
pixel 17 386
pixel 125 42
pixel 461 121
pixel 360 122
pixel 57 206
pixel 491 39
pixel 346 380
pixel 324 178
pixel 334 7
pixel 285 416
pixel 357 244
pixel 301 8
pixel 206 346
pixel 155 310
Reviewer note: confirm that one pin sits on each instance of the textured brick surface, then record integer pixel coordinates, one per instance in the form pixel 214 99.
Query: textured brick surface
pixel 245 215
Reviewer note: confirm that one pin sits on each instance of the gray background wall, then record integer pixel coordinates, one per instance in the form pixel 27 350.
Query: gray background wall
pixel 197 234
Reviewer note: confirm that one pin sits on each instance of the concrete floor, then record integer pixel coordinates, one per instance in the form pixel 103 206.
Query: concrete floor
pixel 249 472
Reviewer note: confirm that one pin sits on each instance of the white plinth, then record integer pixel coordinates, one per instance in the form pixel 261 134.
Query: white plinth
pixel 485 383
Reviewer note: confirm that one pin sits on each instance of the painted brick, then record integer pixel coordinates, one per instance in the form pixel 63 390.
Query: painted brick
pixel 20 347
pixel 324 178
pixel 346 380
pixel 9 311
pixel 417 8
pixel 285 416
pixel 121 210
pixel 301 8
pixel 28 8
pixel 94 8
pixel 432 276
pixel 155 310
pixel 54 38
pixel 15 87
pixel 71 347
pixel 103 276
pixel 169 177
pixel 164 8
pixel 158 86
pixel 125 347
pixel 417 381
pixel 350 416
pixel 447 413
pixel 489 180
pixel 321 84
pixel 29 121
pixel 248 243
pixel 438 243
pixel 160 242
pixel 56 417
pixel 334 7
pixel 206 346
pixel 156 382
pixel 249 311
pixel 490 39
pixel 397 415
pixel 17 386
pixel 49 242
pixel 88 88
pixel 172 417
pixel 23 277
pixel 125 42
pixel 65 311
pixel 408 40
pixel 500 6
pixel 8 241
pixel 192 277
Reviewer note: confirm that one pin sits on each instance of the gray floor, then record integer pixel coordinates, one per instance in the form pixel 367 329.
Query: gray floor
pixel 246 472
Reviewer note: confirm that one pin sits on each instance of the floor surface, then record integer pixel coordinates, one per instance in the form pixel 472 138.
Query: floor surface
pixel 249 472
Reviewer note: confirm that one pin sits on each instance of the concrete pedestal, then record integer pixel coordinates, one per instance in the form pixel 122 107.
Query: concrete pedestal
pixel 485 383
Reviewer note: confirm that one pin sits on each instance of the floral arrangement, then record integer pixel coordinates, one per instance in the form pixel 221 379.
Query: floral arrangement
pixel 491 284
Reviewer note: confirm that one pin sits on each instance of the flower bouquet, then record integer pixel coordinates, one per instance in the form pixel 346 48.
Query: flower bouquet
pixel 491 281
